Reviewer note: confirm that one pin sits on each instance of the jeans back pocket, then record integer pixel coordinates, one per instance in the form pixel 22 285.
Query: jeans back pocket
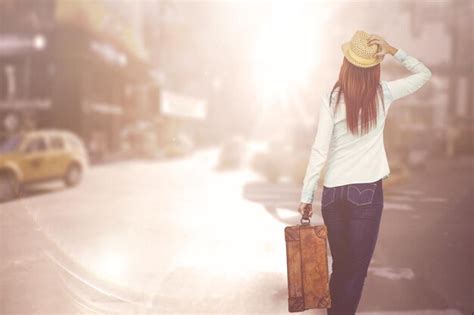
pixel 328 196
pixel 361 193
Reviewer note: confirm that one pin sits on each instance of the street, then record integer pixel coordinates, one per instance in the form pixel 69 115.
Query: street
pixel 179 236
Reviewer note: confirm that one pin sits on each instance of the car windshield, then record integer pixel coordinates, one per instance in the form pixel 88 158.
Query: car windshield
pixel 10 143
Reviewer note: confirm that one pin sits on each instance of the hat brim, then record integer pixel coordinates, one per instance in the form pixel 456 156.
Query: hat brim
pixel 345 51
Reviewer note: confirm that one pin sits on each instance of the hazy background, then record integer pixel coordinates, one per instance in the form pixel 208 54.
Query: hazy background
pixel 197 118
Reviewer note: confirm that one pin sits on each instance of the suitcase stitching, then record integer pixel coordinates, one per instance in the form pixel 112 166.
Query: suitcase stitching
pixel 302 272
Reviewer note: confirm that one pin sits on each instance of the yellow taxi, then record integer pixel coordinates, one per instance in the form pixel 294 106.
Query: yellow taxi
pixel 40 155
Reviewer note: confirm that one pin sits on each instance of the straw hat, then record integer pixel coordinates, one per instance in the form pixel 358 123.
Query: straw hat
pixel 359 53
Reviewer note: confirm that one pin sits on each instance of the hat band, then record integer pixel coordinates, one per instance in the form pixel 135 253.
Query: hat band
pixel 362 61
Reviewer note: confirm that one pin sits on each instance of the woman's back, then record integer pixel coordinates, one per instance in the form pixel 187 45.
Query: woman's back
pixel 356 158
pixel 353 158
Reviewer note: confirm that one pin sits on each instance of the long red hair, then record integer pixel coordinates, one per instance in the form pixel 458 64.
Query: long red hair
pixel 359 87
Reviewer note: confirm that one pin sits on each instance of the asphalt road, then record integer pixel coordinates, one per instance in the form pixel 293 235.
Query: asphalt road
pixel 179 236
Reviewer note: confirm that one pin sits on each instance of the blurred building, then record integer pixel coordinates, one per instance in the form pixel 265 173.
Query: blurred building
pixel 78 65
pixel 441 116
pixel 202 51
pixel 26 67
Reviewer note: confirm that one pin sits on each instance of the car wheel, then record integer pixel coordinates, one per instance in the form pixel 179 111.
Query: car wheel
pixel 9 187
pixel 73 175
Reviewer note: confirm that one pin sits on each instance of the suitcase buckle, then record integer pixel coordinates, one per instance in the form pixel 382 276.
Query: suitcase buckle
pixel 306 221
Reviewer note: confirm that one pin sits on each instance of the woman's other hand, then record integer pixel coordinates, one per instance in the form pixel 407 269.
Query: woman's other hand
pixel 306 207
pixel 383 47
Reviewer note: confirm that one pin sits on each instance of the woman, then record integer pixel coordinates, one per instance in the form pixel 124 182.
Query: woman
pixel 350 136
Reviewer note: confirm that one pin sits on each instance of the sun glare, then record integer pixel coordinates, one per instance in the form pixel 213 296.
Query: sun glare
pixel 111 266
pixel 287 49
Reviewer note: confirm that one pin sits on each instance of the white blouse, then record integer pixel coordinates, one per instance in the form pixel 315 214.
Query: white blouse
pixel 351 158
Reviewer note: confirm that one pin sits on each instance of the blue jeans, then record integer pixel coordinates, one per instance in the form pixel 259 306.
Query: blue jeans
pixel 352 215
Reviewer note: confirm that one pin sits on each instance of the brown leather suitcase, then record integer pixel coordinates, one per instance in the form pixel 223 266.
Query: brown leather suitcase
pixel 307 266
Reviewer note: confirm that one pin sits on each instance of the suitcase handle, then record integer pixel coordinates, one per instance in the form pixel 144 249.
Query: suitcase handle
pixel 305 218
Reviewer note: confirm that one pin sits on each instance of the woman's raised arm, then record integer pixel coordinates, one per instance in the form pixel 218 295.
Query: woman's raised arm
pixel 409 84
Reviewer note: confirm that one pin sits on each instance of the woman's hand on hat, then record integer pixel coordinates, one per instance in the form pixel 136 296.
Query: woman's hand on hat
pixel 306 207
pixel 383 46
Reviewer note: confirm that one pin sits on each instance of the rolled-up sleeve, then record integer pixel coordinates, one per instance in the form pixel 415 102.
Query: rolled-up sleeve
pixel 319 151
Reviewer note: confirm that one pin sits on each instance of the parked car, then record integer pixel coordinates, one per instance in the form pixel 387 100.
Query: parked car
pixel 232 153
pixel 140 139
pixel 181 145
pixel 281 159
pixel 40 155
